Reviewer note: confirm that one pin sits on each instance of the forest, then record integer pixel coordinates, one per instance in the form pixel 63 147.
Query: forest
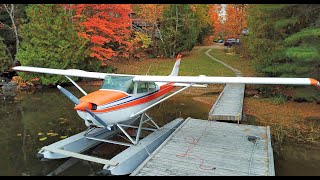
pixel 279 40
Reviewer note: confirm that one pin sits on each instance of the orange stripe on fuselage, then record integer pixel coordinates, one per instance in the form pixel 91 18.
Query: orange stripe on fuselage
pixel 102 97
pixel 164 89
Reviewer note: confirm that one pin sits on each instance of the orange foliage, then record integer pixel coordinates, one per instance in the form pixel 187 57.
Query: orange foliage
pixel 235 20
pixel 214 11
pixel 106 26
pixel 150 12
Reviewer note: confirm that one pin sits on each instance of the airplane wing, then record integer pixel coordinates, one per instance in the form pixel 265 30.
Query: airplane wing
pixel 227 80
pixel 179 80
pixel 68 72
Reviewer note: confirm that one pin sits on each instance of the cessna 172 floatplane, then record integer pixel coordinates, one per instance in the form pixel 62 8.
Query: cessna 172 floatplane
pixel 121 101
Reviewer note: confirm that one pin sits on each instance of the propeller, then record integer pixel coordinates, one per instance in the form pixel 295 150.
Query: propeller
pixel 76 101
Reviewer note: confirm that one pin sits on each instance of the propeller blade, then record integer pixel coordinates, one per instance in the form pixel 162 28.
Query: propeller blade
pixel 98 119
pixel 76 101
pixel 69 95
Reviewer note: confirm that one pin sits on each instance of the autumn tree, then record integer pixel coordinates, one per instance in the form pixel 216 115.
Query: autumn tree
pixel 235 20
pixel 153 15
pixel 107 27
pixel 50 40
pixel 216 20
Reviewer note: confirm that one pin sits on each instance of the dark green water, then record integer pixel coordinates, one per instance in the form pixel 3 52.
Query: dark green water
pixel 27 117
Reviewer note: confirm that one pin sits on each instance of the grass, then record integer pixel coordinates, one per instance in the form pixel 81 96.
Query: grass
pixel 194 64
pixel 235 61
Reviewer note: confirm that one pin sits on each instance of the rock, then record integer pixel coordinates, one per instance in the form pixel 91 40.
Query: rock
pixel 9 87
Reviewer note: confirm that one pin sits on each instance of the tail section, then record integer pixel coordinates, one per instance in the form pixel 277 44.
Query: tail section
pixel 176 66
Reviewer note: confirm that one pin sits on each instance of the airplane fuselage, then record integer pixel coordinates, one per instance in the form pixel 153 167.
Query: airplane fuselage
pixel 114 106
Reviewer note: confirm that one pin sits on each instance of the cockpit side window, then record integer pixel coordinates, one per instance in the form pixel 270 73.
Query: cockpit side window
pixel 142 87
pixel 152 86
pixel 121 83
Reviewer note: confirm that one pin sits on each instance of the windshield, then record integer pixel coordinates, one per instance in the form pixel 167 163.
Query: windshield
pixel 121 83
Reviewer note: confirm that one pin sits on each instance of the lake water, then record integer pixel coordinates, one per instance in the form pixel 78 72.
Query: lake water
pixel 27 118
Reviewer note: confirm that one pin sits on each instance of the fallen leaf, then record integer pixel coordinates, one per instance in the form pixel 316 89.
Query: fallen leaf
pixel 40 133
pixel 18 134
pixel 52 134
pixel 42 139
pixel 62 137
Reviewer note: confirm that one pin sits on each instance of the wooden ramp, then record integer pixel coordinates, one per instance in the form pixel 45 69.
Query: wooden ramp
pixel 229 104
pixel 211 148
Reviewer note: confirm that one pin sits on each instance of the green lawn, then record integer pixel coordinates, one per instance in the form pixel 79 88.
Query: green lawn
pixel 235 61
pixel 194 64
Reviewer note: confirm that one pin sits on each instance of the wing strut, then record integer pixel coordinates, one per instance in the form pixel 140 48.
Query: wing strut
pixel 145 109
pixel 75 84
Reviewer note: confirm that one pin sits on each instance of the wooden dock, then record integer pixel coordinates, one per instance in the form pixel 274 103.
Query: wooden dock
pixel 212 148
pixel 228 106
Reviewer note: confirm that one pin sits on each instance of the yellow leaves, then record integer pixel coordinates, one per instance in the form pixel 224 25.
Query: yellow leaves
pixel 43 139
pixel 52 134
pixel 18 134
pixel 63 137
pixel 143 38
pixel 40 133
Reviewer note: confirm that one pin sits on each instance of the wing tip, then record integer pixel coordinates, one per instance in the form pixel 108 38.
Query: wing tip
pixel 314 82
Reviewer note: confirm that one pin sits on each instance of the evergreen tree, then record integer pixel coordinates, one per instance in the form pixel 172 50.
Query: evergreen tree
pixel 284 39
pixel 6 27
pixel 49 40
pixel 5 61
pixel 179 28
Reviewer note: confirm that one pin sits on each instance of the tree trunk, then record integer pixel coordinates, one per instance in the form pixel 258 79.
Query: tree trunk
pixel 175 33
pixel 14 27
pixel 160 36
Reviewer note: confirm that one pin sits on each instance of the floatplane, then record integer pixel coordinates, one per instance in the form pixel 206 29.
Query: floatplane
pixel 124 99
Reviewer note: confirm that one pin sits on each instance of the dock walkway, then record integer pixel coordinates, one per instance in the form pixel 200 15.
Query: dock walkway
pixel 201 147
pixel 228 106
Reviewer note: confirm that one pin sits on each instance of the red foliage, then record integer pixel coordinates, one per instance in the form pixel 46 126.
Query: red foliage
pixel 106 26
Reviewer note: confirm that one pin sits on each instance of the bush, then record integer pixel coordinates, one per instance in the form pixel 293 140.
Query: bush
pixel 279 99
pixel 304 94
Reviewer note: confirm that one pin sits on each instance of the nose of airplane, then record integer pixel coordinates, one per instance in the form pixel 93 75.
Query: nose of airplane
pixel 98 98
pixel 83 105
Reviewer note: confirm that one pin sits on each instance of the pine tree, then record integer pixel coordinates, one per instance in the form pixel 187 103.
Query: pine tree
pixel 284 39
pixel 180 28
pixel 49 40
pixel 5 60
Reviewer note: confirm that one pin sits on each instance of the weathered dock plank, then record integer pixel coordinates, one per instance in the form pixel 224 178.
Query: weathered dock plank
pixel 228 105
pixel 212 148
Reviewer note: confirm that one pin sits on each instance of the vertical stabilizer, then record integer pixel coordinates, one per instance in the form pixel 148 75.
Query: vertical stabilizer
pixel 176 66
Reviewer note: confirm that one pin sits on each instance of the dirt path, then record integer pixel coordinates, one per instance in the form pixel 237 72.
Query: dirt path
pixel 236 71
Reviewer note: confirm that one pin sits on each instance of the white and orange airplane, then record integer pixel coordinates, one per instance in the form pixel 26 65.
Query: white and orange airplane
pixel 124 97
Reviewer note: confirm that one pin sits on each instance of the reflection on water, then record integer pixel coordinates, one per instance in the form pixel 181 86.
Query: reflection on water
pixel 295 160
pixel 28 117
